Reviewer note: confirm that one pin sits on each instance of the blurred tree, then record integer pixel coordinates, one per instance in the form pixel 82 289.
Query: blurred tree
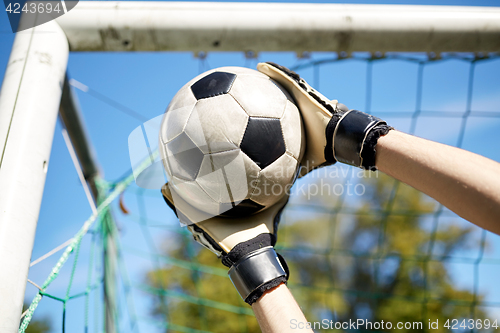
pixel 37 325
pixel 370 260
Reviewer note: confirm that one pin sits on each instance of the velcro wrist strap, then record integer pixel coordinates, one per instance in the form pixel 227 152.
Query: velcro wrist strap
pixel 255 270
pixel 350 134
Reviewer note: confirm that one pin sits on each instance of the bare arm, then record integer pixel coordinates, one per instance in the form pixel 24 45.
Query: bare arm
pixel 277 311
pixel 466 183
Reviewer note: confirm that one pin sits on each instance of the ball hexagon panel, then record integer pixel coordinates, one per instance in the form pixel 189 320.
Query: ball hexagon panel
pixel 198 77
pixel 211 180
pixel 283 90
pixel 292 121
pixel 177 114
pixel 163 153
pixel 193 194
pixel 174 122
pixel 184 157
pixel 214 84
pixel 182 98
pixel 271 187
pixel 223 176
pixel 263 140
pixel 217 124
pixel 259 96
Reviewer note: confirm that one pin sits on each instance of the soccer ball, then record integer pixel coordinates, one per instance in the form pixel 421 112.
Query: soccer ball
pixel 231 141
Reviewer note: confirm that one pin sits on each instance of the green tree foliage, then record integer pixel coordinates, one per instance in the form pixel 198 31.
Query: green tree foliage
pixel 351 256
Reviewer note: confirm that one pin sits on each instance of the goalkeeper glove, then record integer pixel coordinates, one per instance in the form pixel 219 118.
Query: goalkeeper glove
pixel 333 132
pixel 245 244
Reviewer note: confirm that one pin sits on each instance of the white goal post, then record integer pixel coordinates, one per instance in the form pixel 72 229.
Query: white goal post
pixel 34 78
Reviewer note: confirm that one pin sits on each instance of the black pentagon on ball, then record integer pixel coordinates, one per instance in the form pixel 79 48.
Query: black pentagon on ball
pixel 243 208
pixel 184 157
pixel 263 140
pixel 215 84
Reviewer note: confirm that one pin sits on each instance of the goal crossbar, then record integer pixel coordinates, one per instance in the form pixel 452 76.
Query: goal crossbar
pixel 206 26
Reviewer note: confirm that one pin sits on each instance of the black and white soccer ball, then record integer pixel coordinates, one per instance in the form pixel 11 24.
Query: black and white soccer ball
pixel 231 141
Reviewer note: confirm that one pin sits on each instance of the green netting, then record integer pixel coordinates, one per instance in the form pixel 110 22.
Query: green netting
pixel 99 215
pixel 384 255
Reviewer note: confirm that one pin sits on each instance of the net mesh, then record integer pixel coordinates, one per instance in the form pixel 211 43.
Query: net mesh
pixel 359 245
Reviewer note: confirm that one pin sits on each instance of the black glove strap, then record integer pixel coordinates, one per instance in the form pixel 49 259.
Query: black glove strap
pixel 330 130
pixel 350 135
pixel 368 153
pixel 257 272
pixel 242 249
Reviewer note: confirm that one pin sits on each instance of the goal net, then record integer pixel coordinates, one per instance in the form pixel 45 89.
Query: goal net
pixel 360 245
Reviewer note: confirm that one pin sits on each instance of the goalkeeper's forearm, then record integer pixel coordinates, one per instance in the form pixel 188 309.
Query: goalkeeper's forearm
pixel 278 312
pixel 466 183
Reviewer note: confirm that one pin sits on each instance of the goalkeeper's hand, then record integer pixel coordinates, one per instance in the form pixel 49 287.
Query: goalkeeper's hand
pixel 245 245
pixel 333 132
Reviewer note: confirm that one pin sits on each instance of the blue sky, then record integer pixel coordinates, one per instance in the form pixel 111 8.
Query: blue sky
pixel 145 83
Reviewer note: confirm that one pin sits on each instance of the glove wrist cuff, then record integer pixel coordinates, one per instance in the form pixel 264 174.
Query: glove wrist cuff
pixel 256 272
pixel 369 152
pixel 354 136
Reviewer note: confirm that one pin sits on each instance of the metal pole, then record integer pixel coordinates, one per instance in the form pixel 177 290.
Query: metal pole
pixel 73 122
pixel 72 119
pixel 110 255
pixel 29 102
pixel 298 27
